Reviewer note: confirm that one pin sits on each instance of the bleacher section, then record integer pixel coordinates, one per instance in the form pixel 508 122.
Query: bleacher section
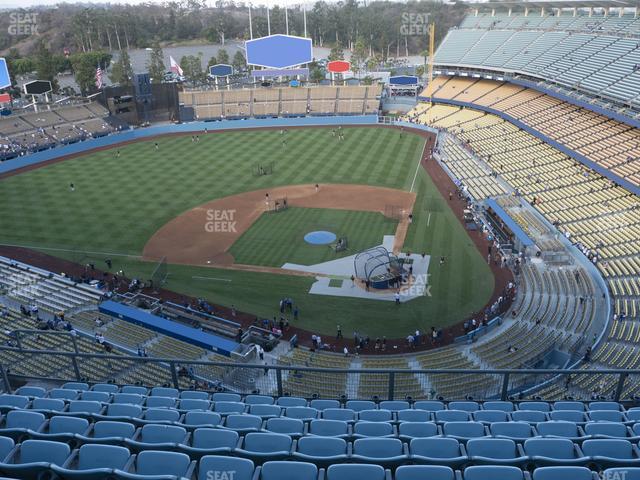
pixel 274 102
pixel 598 216
pixel 30 132
pixel 609 143
pixel 592 54
pixel 108 431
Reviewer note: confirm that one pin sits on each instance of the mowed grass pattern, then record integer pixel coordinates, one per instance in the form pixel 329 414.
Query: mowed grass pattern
pixel 277 238
pixel 120 202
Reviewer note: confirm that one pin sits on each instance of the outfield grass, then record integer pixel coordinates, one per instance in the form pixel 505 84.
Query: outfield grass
pixel 120 202
pixel 277 238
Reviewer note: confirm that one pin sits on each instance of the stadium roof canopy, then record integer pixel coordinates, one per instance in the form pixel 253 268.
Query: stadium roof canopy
pixel 556 4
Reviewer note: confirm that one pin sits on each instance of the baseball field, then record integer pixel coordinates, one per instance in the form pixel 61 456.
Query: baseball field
pixel 137 203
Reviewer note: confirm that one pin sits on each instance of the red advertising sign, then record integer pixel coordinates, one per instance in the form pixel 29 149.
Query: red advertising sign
pixel 5 98
pixel 338 66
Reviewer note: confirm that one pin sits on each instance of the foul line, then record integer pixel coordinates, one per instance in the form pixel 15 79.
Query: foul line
pixel 35 247
pixel 212 278
pixel 415 175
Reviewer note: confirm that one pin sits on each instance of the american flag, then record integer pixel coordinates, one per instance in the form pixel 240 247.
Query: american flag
pixel 98 78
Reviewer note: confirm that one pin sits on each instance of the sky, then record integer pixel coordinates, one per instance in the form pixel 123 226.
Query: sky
pixel 7 4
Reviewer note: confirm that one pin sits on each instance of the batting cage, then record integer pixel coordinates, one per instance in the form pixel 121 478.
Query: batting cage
pixel 262 169
pixel 372 262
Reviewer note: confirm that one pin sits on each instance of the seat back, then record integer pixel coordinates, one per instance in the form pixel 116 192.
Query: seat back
pixel 610 429
pixel 564 473
pixel 267 442
pixel 354 470
pixel 162 434
pixel 25 419
pixel 435 447
pixel 418 429
pixel 241 422
pixel 493 473
pixel 102 456
pixel 558 448
pixel 214 438
pixel 33 451
pixel 280 470
pixel 373 429
pixel 464 429
pixel 288 426
pixel 213 465
pixel 558 429
pixel 322 446
pixel 108 429
pixel 62 424
pixel 422 472
pixel 610 448
pixel 511 429
pixel 498 448
pixel 377 447
pixel 164 392
pixel 202 418
pixel 151 462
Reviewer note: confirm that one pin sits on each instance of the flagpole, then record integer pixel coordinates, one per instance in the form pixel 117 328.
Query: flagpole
pixel 286 19
pixel 304 16
pixel 250 24
pixel 268 22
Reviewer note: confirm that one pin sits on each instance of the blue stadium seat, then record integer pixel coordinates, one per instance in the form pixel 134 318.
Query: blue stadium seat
pixel 611 452
pixel 93 396
pixel 633 414
pixel 157 437
pixel 443 416
pixel 192 404
pixel 85 407
pixel 64 393
pixel 499 405
pixel 79 386
pixel 280 470
pixel 261 447
pixel 560 429
pixel 291 402
pixel 394 405
pixel 494 451
pixel 164 392
pixel 373 429
pixel 10 402
pixel 615 406
pixel 136 389
pixel 211 466
pixel 226 408
pixel 621 474
pixel 243 423
pixel 606 430
pixel 160 402
pixel 323 451
pixel 429 405
pixel 320 404
pixel 564 473
pixel 94 462
pixel 6 447
pixel 354 470
pixel 194 395
pixel 535 406
pixel 466 406
pixel 568 416
pixel 359 405
pixel 344 414
pixel 388 452
pixel 490 416
pixel 437 451
pixel 375 415
pixel 108 432
pixel 207 441
pixel 202 419
pixel 48 405
pixel 156 415
pixel 128 398
pixel 288 426
pixel 553 451
pixel 423 472
pixel 105 387
pixel 329 428
pixel 413 415
pixel 531 416
pixel 606 416
pixel 519 431
pixel 34 457
pixel 29 391
pixel 569 405
pixel 18 423
pixel 265 411
pixel 463 431
pixel 259 400
pixel 409 430
pixel 486 472
pixel 301 413
pixel 62 429
pixel 159 465
pixel 226 397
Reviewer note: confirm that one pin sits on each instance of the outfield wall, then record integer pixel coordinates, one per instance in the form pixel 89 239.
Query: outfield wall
pixel 193 127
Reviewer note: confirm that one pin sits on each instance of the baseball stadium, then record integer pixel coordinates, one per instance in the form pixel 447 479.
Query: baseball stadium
pixel 432 272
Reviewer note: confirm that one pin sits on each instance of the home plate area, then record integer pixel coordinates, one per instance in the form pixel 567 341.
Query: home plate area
pixel 408 279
